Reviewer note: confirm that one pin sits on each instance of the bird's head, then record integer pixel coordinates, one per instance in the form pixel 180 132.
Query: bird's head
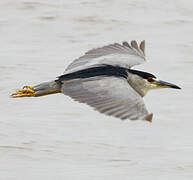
pixel 144 81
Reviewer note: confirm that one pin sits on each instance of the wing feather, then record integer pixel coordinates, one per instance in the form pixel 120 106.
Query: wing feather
pixel 124 55
pixel 109 95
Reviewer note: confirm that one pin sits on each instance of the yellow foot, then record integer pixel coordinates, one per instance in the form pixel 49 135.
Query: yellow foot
pixel 27 91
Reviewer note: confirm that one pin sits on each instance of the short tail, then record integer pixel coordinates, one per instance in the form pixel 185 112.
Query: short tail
pixel 42 89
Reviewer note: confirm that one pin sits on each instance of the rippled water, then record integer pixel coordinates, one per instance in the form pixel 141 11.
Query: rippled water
pixel 53 137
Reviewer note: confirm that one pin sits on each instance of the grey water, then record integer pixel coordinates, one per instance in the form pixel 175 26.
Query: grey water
pixel 53 137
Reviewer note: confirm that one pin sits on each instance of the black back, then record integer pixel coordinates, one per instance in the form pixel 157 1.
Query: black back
pixel 103 70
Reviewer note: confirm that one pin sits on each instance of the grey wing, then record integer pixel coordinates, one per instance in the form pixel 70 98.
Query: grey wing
pixel 109 95
pixel 124 55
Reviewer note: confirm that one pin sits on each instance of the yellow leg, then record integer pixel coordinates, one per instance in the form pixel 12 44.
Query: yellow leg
pixel 27 91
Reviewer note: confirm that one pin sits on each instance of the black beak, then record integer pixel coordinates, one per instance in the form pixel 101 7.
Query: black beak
pixel 164 84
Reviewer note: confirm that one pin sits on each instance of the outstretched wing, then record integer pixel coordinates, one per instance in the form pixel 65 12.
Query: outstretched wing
pixel 124 55
pixel 109 95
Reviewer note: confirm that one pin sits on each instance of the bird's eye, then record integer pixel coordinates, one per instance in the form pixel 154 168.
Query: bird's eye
pixel 150 79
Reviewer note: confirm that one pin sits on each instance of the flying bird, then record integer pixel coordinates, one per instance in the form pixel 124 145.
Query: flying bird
pixel 104 79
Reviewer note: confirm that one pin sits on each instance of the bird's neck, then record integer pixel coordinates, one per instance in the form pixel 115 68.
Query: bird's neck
pixel 138 84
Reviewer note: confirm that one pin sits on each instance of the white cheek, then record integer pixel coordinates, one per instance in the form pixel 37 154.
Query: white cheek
pixel 153 86
pixel 149 86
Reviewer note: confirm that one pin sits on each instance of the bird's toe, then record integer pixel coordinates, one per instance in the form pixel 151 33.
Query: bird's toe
pixel 27 91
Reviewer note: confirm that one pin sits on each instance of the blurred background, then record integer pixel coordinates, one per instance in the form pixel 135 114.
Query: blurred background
pixel 53 137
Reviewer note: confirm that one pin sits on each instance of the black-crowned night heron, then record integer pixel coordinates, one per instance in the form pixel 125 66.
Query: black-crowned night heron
pixel 103 79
